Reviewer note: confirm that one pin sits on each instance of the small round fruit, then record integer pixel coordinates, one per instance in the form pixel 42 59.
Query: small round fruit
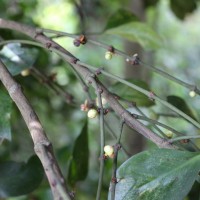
pixel 25 72
pixel 92 113
pixel 192 93
pixel 108 55
pixel 109 150
pixel 169 134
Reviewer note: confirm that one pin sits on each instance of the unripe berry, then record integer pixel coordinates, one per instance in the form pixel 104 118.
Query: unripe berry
pixel 109 150
pixel 108 55
pixel 169 134
pixel 25 72
pixel 92 113
pixel 192 93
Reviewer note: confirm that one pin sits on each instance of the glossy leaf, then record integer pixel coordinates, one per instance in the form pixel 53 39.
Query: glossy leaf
pixel 132 95
pixel 138 32
pixel 17 58
pixel 20 178
pixel 182 8
pixel 78 167
pixel 181 105
pixel 157 174
pixel 5 112
pixel 120 17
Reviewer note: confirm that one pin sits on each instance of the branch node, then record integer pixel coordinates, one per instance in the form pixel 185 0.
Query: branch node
pixel 135 60
pixel 74 60
pixel 152 96
pixel 111 49
pixel 38 31
pixel 98 71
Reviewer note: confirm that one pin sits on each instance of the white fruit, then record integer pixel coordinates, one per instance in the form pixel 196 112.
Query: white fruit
pixel 109 150
pixel 108 55
pixel 192 93
pixel 25 72
pixel 92 113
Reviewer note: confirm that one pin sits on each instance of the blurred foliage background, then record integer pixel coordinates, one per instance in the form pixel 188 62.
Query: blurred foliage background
pixel 176 22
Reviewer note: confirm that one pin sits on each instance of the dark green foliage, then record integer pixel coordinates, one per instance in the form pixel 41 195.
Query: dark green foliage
pixel 120 17
pixel 5 112
pixel 182 8
pixel 157 174
pixel 78 168
pixel 181 105
pixel 20 178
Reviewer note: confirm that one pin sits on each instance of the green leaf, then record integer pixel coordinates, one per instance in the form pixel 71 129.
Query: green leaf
pixel 17 58
pixel 132 95
pixel 157 174
pixel 138 32
pixel 181 105
pixel 78 167
pixel 20 178
pixel 120 17
pixel 5 112
pixel 182 8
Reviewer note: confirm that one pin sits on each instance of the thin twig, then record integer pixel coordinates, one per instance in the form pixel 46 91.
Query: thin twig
pixel 114 135
pixel 85 72
pixel 102 139
pixel 145 92
pixel 129 58
pixel 114 170
pixel 184 138
pixel 52 85
pixel 158 129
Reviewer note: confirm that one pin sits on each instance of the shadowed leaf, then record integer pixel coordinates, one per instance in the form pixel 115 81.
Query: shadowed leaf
pixel 182 8
pixel 78 167
pixel 20 178
pixel 181 105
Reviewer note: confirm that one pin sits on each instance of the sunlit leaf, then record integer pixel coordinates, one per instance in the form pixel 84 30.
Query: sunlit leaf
pixel 120 17
pixel 78 168
pixel 132 95
pixel 20 178
pixel 17 58
pixel 181 105
pixel 157 174
pixel 138 32
pixel 5 112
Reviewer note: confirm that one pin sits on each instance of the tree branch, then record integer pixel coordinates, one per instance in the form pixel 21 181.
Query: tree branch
pixel 85 73
pixel 42 145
